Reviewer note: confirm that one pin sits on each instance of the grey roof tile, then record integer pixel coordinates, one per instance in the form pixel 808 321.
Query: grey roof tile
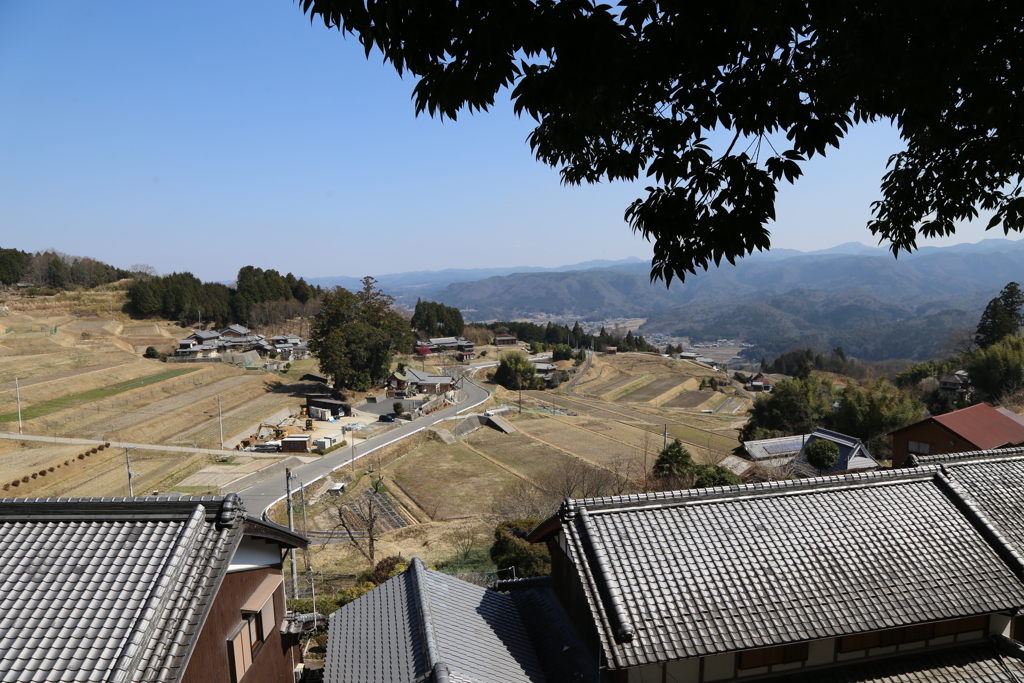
pixel 93 588
pixel 978 663
pixel 400 630
pixel 693 573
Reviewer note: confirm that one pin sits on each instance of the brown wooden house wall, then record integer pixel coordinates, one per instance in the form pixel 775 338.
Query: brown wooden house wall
pixel 941 439
pixel 211 663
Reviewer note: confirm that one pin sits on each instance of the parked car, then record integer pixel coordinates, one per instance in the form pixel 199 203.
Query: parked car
pixel 386 418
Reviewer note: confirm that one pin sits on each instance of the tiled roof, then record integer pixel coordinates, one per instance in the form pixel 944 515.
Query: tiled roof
pixel 853 454
pixel 771 449
pixel 994 482
pixel 981 425
pixel 423 620
pixel 692 573
pixel 111 589
pixel 562 654
pixel 978 663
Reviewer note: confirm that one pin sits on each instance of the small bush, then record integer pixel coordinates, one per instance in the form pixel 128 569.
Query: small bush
pixel 16 482
pixel 35 476
pixel 94 450
pixel 151 352
pixel 81 457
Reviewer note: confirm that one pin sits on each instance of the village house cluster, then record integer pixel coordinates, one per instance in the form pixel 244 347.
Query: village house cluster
pixel 235 339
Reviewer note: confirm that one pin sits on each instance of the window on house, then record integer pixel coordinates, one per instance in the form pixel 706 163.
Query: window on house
pixel 258 621
pixel 911 634
pixel 919 447
pixel 785 654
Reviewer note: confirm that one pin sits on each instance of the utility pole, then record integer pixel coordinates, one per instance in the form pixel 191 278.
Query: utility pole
pixel 17 392
pixel 291 527
pixel 665 445
pixel 131 475
pixel 220 419
pixel 353 456
pixel 302 492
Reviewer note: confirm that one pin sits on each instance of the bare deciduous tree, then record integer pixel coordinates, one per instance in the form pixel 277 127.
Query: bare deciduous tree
pixel 580 479
pixel 522 499
pixel 361 521
pixel 463 540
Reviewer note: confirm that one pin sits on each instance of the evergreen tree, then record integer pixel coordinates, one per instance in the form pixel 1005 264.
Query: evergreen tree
pixel 673 461
pixel 822 454
pixel 1002 316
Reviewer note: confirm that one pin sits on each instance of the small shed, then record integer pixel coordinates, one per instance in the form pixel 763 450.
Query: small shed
pixel 327 441
pixel 505 340
pixel 295 444
pixel 324 401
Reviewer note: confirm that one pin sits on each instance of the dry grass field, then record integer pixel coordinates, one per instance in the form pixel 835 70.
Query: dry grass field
pixel 535 460
pixel 693 400
pixel 84 381
pixel 450 481
pixel 95 474
pixel 583 442
pixel 652 390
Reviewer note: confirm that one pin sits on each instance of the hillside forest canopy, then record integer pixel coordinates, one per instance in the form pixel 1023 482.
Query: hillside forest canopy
pixel 638 88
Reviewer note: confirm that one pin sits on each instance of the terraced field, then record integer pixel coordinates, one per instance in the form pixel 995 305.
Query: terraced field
pixel 450 481
pixel 689 399
pixel 582 442
pixel 535 460
pixel 611 385
pixel 652 390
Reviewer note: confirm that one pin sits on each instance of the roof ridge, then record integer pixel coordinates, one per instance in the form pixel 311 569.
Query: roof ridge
pixel 418 575
pixel 133 645
pixel 662 499
pixel 980 521
pixel 991 454
pixel 624 633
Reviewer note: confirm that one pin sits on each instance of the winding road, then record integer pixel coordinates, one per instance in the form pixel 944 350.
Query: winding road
pixel 259 497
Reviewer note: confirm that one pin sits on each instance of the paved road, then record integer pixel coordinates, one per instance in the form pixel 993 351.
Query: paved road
pixel 261 496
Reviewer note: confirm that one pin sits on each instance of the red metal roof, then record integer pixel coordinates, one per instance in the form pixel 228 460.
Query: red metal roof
pixel 983 426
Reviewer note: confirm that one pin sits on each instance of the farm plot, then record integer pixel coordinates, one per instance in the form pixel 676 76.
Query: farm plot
pixel 157 419
pixel 627 435
pixel 37 408
pixel 450 481
pixel 157 471
pixel 240 414
pixel 21 461
pixel 689 399
pixel 611 385
pixel 535 460
pixel 151 330
pixel 582 442
pixel 651 391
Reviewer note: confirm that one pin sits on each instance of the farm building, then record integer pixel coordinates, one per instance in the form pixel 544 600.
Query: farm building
pixel 324 402
pixel 977 427
pixel 505 340
pixel 297 443
pixel 789 452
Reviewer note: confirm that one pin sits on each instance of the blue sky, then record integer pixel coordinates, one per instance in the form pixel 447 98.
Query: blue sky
pixel 209 136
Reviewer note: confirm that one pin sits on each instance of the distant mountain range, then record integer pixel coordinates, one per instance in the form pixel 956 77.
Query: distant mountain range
pixel 853 295
pixel 429 281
